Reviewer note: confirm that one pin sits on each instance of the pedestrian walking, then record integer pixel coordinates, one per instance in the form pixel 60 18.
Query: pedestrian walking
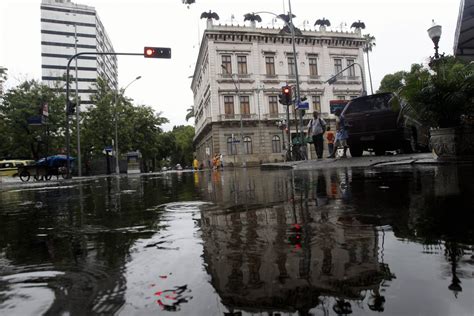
pixel 195 164
pixel 330 137
pixel 341 135
pixel 316 129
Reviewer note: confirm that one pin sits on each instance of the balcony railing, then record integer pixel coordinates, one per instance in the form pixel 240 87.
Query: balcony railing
pixel 237 117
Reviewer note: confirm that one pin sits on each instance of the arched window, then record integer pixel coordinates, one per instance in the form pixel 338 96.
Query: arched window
pixel 276 145
pixel 231 148
pixel 248 145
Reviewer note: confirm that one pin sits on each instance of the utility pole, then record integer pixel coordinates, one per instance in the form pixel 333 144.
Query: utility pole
pixel 298 96
pixel 78 110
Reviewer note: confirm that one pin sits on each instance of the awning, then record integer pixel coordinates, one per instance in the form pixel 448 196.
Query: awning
pixel 464 36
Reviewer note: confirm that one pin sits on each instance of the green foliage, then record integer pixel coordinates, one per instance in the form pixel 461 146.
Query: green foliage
pixel 440 96
pixel 392 82
pixel 177 145
pixel 139 127
pixel 190 113
pixel 369 42
pixel 18 139
pixel 184 144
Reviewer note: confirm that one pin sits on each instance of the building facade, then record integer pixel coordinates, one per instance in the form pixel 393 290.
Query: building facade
pixel 67 28
pixel 239 74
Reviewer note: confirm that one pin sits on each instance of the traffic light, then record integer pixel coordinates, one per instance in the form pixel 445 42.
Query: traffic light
pixel 285 96
pixel 157 52
pixel 71 107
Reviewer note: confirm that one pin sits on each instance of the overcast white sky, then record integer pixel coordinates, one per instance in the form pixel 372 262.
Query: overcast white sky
pixel 398 25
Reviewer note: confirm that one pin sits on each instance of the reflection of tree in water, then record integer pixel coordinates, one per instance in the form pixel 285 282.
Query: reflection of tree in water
pixel 85 231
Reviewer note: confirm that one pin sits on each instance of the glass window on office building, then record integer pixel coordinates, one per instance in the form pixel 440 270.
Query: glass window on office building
pixel 317 103
pixel 229 106
pixel 351 71
pixel 337 66
pixel 270 65
pixel 248 145
pixel 276 144
pixel 291 66
pixel 341 97
pixel 313 66
pixel 227 63
pixel 242 65
pixel 231 146
pixel 273 105
pixel 245 106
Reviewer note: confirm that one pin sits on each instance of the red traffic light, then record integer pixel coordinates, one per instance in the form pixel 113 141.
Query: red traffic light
pixel 157 52
pixel 286 90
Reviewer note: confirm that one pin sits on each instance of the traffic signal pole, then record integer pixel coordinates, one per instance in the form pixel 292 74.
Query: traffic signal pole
pixel 298 95
pixel 68 136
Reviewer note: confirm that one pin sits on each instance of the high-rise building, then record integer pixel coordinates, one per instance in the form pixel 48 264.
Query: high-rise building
pixel 67 28
pixel 3 78
pixel 238 78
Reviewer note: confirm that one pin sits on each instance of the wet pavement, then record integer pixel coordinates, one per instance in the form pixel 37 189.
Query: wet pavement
pixel 394 240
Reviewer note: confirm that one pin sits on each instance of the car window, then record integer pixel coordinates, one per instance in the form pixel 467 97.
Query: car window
pixel 372 103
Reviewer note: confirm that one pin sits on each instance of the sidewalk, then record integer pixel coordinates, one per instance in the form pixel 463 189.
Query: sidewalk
pixel 364 161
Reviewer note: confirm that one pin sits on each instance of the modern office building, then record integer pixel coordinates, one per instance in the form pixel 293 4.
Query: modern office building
pixel 239 74
pixel 67 28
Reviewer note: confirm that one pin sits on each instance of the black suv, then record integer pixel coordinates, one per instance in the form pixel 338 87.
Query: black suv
pixel 380 122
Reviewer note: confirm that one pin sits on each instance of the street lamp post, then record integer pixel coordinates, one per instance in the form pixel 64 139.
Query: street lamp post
pixel 117 167
pixel 292 31
pixel 434 32
pixel 237 88
pixel 334 78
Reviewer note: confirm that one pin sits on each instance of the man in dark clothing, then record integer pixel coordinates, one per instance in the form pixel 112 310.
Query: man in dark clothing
pixel 316 129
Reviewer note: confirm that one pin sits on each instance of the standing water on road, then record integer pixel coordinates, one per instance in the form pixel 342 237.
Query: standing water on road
pixel 335 242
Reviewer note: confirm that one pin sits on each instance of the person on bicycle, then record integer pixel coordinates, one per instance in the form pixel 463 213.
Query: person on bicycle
pixel 316 129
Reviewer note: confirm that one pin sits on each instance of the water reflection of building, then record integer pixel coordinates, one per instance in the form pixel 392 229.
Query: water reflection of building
pixel 289 247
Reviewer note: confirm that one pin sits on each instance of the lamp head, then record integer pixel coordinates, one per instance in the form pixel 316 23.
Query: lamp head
pixel 434 32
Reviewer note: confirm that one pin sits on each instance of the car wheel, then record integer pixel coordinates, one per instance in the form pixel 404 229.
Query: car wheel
pixel 356 151
pixel 24 176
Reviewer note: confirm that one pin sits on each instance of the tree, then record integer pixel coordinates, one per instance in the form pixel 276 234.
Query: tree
pixel 369 44
pixel 20 140
pixel 99 120
pixel 442 96
pixel 138 126
pixel 190 113
pixel 183 153
pixel 392 82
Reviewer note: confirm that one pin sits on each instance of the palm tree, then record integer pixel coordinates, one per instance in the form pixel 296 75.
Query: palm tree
pixel 190 111
pixel 369 43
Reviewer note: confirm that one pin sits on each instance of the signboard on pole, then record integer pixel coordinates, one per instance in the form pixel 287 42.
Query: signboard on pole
pixel 302 106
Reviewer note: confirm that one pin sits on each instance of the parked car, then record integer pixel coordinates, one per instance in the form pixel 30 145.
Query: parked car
pixel 381 122
pixel 9 168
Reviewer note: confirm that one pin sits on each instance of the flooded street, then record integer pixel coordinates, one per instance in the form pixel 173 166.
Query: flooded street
pixel 396 241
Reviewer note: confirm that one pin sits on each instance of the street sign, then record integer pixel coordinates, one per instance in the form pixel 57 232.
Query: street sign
pixel 35 120
pixel 337 104
pixel 303 106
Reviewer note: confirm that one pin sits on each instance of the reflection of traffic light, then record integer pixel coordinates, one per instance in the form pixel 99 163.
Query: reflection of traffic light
pixel 71 107
pixel 295 236
pixel 157 52
pixel 285 96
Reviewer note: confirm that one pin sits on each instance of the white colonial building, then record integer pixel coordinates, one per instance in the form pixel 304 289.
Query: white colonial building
pixel 67 28
pixel 239 74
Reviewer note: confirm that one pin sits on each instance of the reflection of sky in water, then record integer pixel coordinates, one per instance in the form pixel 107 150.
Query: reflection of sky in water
pixel 316 241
